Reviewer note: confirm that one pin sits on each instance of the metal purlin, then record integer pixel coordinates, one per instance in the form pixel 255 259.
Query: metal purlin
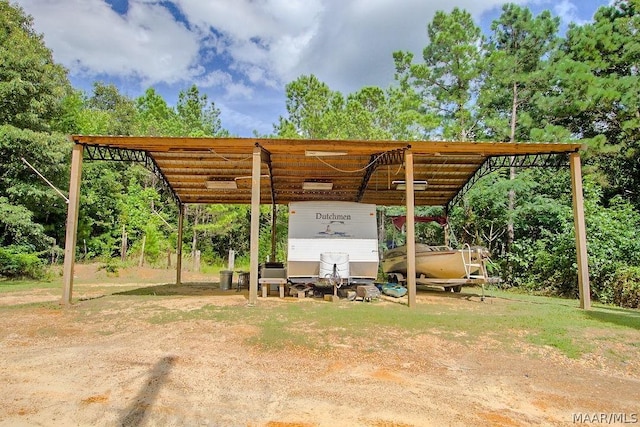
pixel 393 157
pixel 95 152
pixel 494 163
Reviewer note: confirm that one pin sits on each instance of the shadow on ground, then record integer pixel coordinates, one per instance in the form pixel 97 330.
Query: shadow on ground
pixel 137 411
pixel 213 289
pixel 184 289
pixel 618 316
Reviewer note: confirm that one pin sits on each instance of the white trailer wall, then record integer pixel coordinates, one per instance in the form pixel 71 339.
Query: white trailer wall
pixel 318 227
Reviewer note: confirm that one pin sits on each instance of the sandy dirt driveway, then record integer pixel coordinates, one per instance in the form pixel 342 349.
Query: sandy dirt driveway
pixel 108 361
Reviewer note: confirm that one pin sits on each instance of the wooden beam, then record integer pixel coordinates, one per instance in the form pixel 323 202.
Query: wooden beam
pixel 179 244
pixel 72 223
pixel 233 145
pixel 274 212
pixel 584 289
pixel 410 227
pixel 255 225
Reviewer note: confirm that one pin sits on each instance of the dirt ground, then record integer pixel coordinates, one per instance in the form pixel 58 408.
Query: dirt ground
pixel 105 365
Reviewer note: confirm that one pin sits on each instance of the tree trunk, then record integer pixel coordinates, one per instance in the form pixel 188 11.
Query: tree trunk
pixel 123 245
pixel 512 170
pixel 194 240
pixel 144 241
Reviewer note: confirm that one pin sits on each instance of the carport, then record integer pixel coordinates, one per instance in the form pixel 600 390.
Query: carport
pixel 259 171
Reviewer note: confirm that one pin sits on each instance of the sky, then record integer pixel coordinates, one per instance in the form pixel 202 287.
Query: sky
pixel 242 53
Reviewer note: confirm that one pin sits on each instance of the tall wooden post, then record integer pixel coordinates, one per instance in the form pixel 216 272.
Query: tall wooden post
pixel 274 213
pixel 410 226
pixel 584 288
pixel 72 223
pixel 255 224
pixel 181 208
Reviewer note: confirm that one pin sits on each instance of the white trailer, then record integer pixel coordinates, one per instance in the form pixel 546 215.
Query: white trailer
pixel 343 234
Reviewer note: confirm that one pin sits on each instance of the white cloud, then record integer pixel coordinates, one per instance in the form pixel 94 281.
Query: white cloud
pixel 568 12
pixel 240 48
pixel 260 42
pixel 236 119
pixel 357 40
pixel 264 39
pixel 215 78
pixel 87 36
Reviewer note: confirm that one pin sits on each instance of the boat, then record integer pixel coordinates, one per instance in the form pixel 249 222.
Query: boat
pixel 438 262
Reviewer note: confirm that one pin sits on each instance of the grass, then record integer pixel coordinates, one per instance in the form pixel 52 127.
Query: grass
pixel 541 321
pixel 505 317
pixel 24 285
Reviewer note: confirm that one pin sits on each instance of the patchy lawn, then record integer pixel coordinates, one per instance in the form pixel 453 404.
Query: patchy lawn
pixel 131 351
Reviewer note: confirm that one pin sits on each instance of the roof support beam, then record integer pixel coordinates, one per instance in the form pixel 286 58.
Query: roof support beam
pixel 72 223
pixel 495 163
pixel 378 159
pixel 266 157
pixel 181 207
pixel 131 155
pixel 584 288
pixel 410 227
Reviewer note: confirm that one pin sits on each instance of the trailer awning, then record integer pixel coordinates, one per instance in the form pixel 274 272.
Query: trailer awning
pixel 218 170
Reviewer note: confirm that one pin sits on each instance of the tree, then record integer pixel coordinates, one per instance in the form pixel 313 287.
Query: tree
pixel 308 102
pixel 317 112
pixel 596 94
pixel 448 80
pixel 198 117
pixel 517 50
pixel 31 88
pixel 155 117
pixel 31 84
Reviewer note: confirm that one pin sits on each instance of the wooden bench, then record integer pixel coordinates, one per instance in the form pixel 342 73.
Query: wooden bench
pixel 268 281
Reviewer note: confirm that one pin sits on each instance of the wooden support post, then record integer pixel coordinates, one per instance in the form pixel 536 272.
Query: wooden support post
pixel 584 288
pixel 273 231
pixel 72 223
pixel 179 244
pixel 410 226
pixel 255 224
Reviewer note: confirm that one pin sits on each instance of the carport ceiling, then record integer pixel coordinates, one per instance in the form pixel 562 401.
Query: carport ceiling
pixel 218 170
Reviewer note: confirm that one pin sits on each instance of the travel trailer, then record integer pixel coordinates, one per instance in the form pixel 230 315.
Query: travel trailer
pixel 331 241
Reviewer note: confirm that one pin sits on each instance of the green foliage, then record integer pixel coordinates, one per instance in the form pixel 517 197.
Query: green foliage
pixel 517 54
pixel 31 84
pixel 596 93
pixel 315 111
pixel 23 189
pixel 18 263
pixel 626 287
pixel 197 117
pixel 614 250
pixel 445 85
pixel 264 244
pixel 155 117
pixel 17 228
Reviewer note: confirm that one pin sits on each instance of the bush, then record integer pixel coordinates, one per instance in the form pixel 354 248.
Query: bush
pixel 626 287
pixel 16 263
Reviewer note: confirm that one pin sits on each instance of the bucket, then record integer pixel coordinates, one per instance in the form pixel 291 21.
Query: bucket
pixel 340 260
pixel 226 277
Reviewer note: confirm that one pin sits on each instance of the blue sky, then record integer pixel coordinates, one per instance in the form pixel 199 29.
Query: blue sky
pixel 242 53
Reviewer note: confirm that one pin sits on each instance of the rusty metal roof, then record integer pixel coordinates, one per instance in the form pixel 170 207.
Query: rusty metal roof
pixel 196 169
